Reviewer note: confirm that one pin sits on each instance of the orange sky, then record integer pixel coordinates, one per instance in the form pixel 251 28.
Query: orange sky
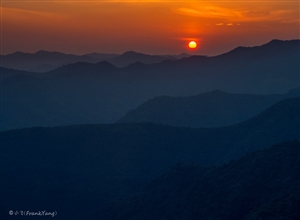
pixel 153 27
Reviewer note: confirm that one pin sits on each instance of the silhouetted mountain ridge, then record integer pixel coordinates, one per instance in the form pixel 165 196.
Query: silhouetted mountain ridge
pixel 130 57
pixel 102 56
pixel 257 52
pixel 6 73
pixel 83 68
pixel 212 109
pixel 43 61
pixel 261 185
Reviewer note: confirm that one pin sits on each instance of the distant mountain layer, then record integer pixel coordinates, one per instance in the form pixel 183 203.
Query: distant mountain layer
pixel 83 167
pixel 43 61
pixel 210 109
pixel 261 185
pixel 132 57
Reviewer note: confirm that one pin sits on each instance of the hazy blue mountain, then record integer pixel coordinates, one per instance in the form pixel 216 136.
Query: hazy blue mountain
pixel 182 55
pixel 212 109
pixel 131 57
pixel 103 93
pixel 85 70
pixel 43 68
pixel 102 56
pixel 29 101
pixel 41 61
pixel 262 185
pixel 83 167
pixel 5 73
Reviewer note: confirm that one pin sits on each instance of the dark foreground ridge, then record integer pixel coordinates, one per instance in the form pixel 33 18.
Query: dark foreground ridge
pixel 75 170
pixel 262 185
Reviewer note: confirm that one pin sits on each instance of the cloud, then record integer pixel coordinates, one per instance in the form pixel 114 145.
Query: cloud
pixel 210 12
pixel 241 14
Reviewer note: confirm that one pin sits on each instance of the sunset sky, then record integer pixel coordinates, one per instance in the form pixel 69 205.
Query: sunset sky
pixel 152 27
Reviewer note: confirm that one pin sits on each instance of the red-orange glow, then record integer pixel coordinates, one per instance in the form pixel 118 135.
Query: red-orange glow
pixel 147 26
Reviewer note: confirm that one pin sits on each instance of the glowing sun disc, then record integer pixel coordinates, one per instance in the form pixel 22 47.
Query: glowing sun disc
pixel 192 45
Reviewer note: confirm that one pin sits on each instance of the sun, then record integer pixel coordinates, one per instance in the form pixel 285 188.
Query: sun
pixel 192 45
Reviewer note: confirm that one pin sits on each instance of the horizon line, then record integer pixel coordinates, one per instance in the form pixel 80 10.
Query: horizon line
pixel 113 53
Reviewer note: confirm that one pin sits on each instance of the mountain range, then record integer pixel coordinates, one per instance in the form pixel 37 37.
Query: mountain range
pixel 43 61
pixel 135 136
pixel 211 109
pixel 84 167
pixel 82 93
